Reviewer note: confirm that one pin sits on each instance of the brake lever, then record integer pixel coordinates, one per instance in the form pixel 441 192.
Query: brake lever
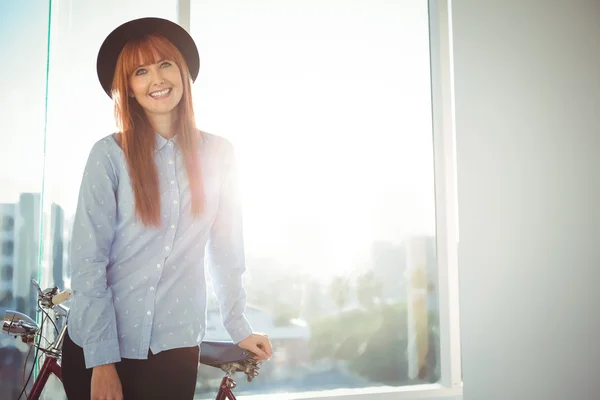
pixel 37 286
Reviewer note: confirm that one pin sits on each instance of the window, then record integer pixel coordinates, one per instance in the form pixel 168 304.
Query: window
pixel 77 29
pixel 7 272
pixel 24 33
pixel 8 248
pixel 350 231
pixel 8 223
pixel 329 107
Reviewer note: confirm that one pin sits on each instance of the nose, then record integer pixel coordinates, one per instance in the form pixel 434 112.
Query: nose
pixel 156 77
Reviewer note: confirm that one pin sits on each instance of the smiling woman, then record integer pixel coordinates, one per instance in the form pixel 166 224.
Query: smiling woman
pixel 155 199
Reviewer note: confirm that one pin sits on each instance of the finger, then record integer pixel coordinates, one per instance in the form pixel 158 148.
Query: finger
pixel 267 347
pixel 260 353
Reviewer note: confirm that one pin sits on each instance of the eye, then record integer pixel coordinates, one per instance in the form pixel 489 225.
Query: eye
pixel 140 71
pixel 165 64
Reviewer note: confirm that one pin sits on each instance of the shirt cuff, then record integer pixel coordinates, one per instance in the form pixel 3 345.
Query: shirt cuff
pixel 239 329
pixel 101 353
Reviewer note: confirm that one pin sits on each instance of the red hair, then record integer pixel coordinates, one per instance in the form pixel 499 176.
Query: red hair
pixel 137 136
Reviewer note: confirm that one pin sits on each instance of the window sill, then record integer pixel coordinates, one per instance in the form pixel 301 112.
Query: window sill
pixel 419 392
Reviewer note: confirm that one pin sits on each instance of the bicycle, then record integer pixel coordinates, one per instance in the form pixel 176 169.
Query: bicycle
pixel 226 356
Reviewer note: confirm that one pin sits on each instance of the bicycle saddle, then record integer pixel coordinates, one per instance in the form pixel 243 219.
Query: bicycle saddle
pixel 216 354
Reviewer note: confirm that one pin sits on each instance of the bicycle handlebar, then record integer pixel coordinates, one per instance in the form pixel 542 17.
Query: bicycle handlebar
pixel 19 324
pixel 62 297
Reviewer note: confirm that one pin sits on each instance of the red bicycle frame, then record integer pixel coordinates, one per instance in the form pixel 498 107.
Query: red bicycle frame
pixel 225 390
pixel 50 366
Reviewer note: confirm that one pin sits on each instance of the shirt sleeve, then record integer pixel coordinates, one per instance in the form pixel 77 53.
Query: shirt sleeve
pixel 225 250
pixel 92 312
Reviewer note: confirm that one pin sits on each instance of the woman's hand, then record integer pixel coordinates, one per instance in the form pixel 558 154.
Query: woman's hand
pixel 106 384
pixel 259 344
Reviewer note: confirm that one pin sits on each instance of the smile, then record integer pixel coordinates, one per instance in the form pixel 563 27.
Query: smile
pixel 159 94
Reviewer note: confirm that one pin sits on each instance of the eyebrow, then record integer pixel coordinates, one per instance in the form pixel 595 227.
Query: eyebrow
pixel 158 62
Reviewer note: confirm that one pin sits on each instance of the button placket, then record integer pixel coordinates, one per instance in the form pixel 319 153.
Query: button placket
pixel 147 321
pixel 175 201
pixel 152 284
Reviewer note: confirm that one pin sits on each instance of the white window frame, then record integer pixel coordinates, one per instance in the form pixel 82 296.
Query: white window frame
pixel 442 91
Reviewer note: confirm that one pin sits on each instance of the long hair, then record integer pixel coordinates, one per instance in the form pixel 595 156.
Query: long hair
pixel 138 138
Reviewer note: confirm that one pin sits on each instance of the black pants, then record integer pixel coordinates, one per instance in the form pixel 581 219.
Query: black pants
pixel 170 374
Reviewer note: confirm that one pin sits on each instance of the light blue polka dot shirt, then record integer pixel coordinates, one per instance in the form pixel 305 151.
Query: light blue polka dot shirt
pixel 137 288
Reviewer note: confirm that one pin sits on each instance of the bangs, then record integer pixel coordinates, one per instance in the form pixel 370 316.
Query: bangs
pixel 149 50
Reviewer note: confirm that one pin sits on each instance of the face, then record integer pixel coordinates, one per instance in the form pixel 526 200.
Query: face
pixel 158 88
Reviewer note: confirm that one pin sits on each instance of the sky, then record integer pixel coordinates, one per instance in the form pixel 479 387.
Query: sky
pixel 327 103
pixel 23 29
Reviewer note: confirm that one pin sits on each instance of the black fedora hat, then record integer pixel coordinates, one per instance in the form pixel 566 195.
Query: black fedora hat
pixel 138 28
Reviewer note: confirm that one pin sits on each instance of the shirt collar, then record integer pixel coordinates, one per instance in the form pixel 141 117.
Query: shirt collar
pixel 161 142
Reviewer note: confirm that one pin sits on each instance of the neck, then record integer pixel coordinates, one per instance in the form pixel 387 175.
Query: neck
pixel 163 124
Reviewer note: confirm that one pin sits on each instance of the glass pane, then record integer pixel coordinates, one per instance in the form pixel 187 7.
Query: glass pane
pixel 328 106
pixel 79 114
pixel 24 44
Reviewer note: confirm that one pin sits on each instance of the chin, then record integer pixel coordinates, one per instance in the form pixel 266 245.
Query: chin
pixel 165 110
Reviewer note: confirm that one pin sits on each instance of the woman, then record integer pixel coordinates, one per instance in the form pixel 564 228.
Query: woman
pixel 154 197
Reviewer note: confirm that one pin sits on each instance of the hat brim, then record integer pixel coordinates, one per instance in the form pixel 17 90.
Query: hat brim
pixel 115 42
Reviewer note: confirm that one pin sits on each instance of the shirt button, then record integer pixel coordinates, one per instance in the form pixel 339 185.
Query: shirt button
pixel 167 247
pixel 158 265
pixel 152 288
pixel 170 143
pixel 173 226
pixel 174 201
pixel 149 313
pixel 172 182
pixel 170 162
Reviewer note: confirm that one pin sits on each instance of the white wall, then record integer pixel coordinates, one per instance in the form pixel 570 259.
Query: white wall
pixel 527 76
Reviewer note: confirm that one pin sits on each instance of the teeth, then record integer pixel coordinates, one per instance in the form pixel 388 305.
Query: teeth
pixel 161 93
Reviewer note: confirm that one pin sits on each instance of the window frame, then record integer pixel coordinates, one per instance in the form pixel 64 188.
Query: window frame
pixel 442 95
